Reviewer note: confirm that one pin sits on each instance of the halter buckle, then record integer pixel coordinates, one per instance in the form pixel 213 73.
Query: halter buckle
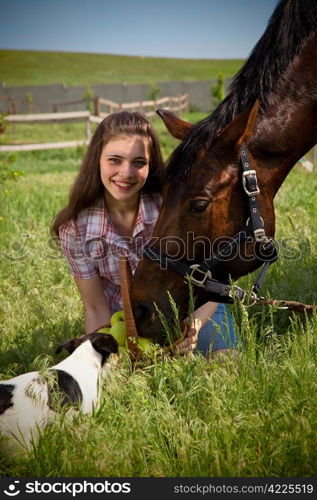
pixel 198 282
pixel 253 298
pixel 249 173
pixel 238 292
pixel 259 235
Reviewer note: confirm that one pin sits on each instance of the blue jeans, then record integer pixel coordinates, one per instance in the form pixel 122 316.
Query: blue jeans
pixel 218 333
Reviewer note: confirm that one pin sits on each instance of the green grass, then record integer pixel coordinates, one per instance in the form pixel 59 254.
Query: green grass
pixel 22 67
pixel 256 416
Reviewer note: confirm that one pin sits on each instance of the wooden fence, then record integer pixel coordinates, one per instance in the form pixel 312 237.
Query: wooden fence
pixel 175 104
pixel 73 116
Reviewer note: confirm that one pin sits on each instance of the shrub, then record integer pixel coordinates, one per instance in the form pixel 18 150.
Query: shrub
pixel 217 91
pixel 154 92
pixel 6 171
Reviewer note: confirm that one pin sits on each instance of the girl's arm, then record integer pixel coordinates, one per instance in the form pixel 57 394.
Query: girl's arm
pixel 203 314
pixel 96 309
pixel 195 322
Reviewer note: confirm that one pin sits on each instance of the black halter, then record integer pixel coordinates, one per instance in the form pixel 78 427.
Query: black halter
pixel 201 274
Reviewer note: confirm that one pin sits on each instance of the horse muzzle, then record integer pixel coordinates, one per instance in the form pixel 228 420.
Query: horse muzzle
pixel 147 321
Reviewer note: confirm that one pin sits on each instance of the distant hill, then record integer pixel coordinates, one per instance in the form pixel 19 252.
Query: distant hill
pixel 24 67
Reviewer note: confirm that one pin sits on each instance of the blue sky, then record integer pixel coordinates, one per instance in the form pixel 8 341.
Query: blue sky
pixel 165 28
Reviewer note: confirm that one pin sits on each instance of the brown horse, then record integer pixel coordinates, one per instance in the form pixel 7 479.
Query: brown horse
pixel 207 195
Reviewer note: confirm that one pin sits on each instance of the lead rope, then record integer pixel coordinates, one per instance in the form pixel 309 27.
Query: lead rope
pixel 126 283
pixel 132 333
pixel 289 305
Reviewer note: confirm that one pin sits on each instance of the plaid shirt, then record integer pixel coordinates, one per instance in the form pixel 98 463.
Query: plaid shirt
pixel 93 246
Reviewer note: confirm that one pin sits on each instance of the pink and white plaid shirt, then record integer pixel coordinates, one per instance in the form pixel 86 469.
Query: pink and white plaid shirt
pixel 93 246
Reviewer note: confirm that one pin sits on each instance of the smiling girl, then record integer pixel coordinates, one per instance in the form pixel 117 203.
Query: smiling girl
pixel 112 209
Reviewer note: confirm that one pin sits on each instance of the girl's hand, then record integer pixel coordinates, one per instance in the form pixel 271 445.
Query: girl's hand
pixel 192 326
pixel 188 344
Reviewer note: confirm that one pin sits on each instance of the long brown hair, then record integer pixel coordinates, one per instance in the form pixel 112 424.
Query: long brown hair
pixel 88 187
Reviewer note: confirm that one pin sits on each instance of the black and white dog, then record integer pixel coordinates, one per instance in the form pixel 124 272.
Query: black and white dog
pixel 27 401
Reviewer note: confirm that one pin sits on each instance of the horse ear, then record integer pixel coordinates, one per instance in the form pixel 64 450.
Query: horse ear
pixel 239 130
pixel 177 128
pixel 249 129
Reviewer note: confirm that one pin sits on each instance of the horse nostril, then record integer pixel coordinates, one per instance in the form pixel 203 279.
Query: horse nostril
pixel 141 312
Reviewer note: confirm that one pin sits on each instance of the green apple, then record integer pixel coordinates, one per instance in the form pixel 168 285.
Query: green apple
pixel 118 332
pixel 144 343
pixel 105 329
pixel 117 317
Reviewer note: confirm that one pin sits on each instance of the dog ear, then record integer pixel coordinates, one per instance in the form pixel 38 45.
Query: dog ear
pixel 70 345
pixel 104 344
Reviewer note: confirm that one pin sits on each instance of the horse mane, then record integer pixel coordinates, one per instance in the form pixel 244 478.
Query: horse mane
pixel 291 23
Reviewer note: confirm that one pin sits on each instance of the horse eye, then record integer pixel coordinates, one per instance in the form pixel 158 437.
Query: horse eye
pixel 198 206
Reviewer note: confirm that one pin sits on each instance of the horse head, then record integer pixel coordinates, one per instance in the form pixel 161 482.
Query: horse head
pixel 207 195
pixel 204 205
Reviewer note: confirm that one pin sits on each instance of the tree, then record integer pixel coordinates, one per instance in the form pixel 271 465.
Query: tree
pixel 217 91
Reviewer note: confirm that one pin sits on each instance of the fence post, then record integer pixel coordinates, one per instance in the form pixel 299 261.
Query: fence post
pixel 186 102
pixel 88 129
pixel 177 113
pixel 97 106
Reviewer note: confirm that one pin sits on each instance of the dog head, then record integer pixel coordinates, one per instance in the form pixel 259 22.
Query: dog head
pixel 102 342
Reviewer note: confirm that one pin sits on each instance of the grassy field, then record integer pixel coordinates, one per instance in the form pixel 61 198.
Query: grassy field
pixel 256 416
pixel 20 67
